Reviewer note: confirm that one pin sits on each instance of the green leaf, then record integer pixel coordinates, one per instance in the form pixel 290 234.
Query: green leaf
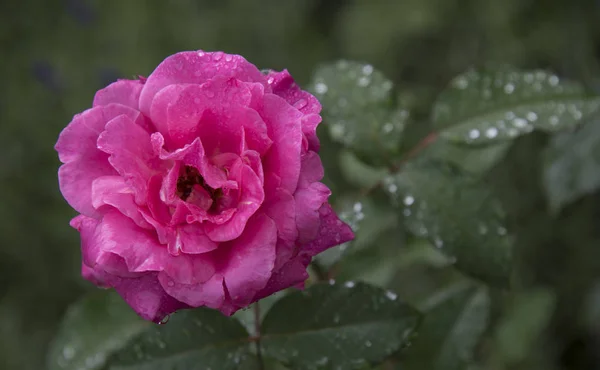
pixel 450 331
pixel 337 326
pixel 520 328
pixel 482 107
pixel 358 173
pixel 198 339
pixel 458 214
pixel 572 165
pixel 368 219
pixel 357 108
pixel 92 329
pixel 475 160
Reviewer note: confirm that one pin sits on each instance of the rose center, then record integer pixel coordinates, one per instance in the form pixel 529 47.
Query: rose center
pixel 190 178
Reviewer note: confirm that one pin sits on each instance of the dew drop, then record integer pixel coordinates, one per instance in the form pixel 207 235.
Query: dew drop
pixel 321 88
pixel 392 188
pixel 217 56
pixel 201 53
pixel 409 200
pixel 501 230
pixel 368 344
pixel 553 120
pixel 364 81
pixel 164 320
pixel 461 83
pixel 228 57
pixel 474 134
pixel 387 128
pixel 483 229
pixel 553 80
pixel 439 243
pixel 331 282
pixel 531 116
pixel 520 122
pixel 300 104
pixel 68 353
pixel 391 295
pixel 270 80
pixel 336 318
pixel 491 132
pixel 509 88
pixel 349 284
pixel 367 69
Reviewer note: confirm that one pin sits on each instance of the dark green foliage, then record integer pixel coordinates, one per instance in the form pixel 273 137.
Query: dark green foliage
pixel 499 167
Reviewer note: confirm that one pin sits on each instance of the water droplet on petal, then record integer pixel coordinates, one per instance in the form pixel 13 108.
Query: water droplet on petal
pixel 228 57
pixel 300 104
pixel 164 320
pixel 217 56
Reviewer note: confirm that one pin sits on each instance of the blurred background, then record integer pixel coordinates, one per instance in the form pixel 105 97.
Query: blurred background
pixel 55 54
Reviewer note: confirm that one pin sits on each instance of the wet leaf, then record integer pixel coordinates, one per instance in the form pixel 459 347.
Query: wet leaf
pixel 458 214
pixel 357 108
pixel 345 326
pixel 198 339
pixel 522 325
pixel 450 331
pixel 483 107
pixel 368 218
pixel 92 330
pixel 572 165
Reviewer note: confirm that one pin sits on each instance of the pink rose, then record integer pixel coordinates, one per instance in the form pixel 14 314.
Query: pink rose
pixel 198 186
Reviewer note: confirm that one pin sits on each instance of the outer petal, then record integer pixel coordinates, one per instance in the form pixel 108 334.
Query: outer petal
pixel 283 122
pixel 249 260
pixel 209 293
pixel 131 153
pixel 331 233
pixel 283 85
pixel 124 92
pixel 146 296
pixel 308 203
pixel 196 67
pixel 113 191
pixel 311 170
pixel 75 181
pixel 289 275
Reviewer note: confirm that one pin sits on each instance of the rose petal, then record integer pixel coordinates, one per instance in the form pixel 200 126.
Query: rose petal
pixel 308 203
pixel 131 153
pixel 196 67
pixel 209 293
pixel 113 191
pixel 251 197
pixel 311 170
pixel 124 92
pixel 283 123
pixel 291 274
pixel 249 260
pixel 75 181
pixel 147 297
pixel 331 232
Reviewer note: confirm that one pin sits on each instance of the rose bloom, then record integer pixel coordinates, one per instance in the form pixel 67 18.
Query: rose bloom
pixel 198 186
